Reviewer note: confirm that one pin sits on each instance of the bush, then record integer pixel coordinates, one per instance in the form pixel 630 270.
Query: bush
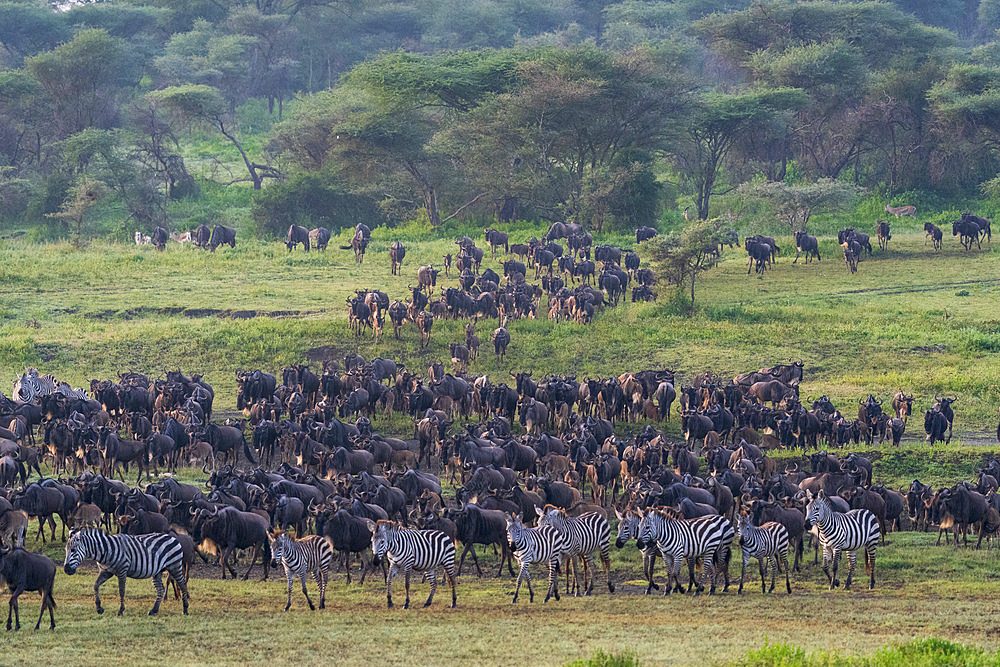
pixel 602 659
pixel 312 201
pixel 917 653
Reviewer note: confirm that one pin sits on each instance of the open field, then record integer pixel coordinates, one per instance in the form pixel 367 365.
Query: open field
pixel 898 323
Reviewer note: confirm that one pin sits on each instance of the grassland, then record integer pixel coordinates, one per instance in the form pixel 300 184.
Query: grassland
pixel 910 318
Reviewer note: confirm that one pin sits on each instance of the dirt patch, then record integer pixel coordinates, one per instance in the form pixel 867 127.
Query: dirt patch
pixel 929 349
pixel 201 312
pixel 324 353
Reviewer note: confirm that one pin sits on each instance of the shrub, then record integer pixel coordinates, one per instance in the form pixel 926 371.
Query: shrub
pixel 310 200
pixel 602 659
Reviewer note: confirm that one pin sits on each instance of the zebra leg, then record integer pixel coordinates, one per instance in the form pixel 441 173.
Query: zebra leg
pixel 773 563
pixel 692 582
pixel 648 565
pixel 432 576
pixel 673 573
pixel 588 572
pixel 852 562
pixel 121 593
pixel 784 561
pixel 291 580
pixel 826 566
pixel 836 562
pixel 523 575
pixel 321 577
pixel 449 570
pixel 101 578
pixel 161 592
pixel 180 578
pixel 870 558
pixel 388 584
pixel 406 576
pixel 302 576
pixel 553 579
pixel 606 562
pixel 707 572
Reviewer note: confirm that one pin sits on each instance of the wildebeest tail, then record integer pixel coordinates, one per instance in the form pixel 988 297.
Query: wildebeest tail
pixel 246 450
pixel 345 247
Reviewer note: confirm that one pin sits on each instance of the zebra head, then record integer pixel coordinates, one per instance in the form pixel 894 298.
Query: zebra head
pixel 644 531
pixel 279 542
pixel 818 511
pixel 628 527
pixel 515 530
pixel 382 534
pixel 76 550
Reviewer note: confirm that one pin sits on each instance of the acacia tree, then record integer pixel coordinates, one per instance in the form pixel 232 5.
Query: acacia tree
pixel 81 199
pixel 682 256
pixel 200 103
pixel 795 203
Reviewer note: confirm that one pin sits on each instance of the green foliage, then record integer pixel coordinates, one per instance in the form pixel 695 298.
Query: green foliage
pixel 602 659
pixel 796 203
pixel 929 652
pixel 312 201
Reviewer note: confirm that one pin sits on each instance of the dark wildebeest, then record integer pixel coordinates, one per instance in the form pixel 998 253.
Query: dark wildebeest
pixel 562 230
pixel 495 239
pixel 201 236
pixel 935 426
pixel 808 244
pixel 228 529
pixel 968 233
pixel 760 254
pixel 396 254
pixel 427 278
pixel 850 234
pixel 26 571
pixel 883 234
pixel 933 232
pixel 159 238
pixel 852 253
pixel 943 405
pixel 222 236
pixel 359 243
pixel 424 323
pixel 319 237
pixel 501 339
pixel 644 234
pixel 297 234
pixel 983 223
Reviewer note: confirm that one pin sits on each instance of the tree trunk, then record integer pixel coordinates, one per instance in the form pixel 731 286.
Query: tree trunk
pixel 693 274
pixel 430 203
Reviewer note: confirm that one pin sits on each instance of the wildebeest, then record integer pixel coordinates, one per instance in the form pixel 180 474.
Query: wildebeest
pixel 319 237
pixel 396 254
pixel 427 278
pixel 883 234
pixel 968 233
pixel 944 406
pixel 644 234
pixel 201 236
pixel 852 253
pixel 297 234
pixel 227 529
pixel 501 339
pixel 495 239
pixel 359 243
pixel 933 232
pixel 760 254
pixel 935 426
pixel 424 323
pixel 902 405
pixel 806 243
pixel 983 223
pixel 26 571
pixel 222 236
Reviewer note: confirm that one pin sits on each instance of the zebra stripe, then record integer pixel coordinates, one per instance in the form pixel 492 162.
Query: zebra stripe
pixel 128 556
pixel 769 545
pixel 534 545
pixel 32 385
pixel 628 528
pixel 413 551
pixel 709 538
pixel 843 532
pixel 582 536
pixel 310 554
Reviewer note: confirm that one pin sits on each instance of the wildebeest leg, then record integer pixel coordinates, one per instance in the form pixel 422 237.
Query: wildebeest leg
pixel 12 608
pixel 121 593
pixel 345 557
pixel 224 562
pixel 253 559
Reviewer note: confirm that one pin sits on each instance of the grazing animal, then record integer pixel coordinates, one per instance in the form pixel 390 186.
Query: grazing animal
pixel 297 234
pixel 543 544
pixel 397 251
pixel 839 532
pixel 901 210
pixel 501 339
pixel 128 556
pixel 319 237
pixel 808 244
pixel 707 537
pixel 159 238
pixel 222 236
pixel 983 223
pixel 582 536
pixel 359 243
pixel 852 253
pixel 27 571
pixel 967 232
pixel 934 233
pixel 769 545
pixel 413 551
pixel 300 557
pixel 883 234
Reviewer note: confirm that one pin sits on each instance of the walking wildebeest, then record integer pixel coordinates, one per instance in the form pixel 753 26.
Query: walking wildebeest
pixel 297 234
pixel 808 244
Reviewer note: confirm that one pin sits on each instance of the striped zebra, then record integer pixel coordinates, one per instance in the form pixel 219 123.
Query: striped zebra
pixel 534 545
pixel 582 536
pixel 31 385
pixel 310 554
pixel 767 543
pixel 128 556
pixel 413 551
pixel 708 538
pixel 843 532
pixel 628 528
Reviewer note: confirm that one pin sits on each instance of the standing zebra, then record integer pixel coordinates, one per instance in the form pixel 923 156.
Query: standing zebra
pixel 413 550
pixel 534 545
pixel 709 538
pixel 628 527
pixel 122 556
pixel 32 385
pixel 311 553
pixel 582 536
pixel 768 544
pixel 843 532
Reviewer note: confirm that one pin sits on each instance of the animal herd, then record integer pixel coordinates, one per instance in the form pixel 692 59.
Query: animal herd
pixel 297 484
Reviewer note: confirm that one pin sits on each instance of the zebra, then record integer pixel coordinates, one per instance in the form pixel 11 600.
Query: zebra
pixel 128 556
pixel 628 527
pixel 412 550
pixel 843 532
pixel 582 536
pixel 534 545
pixel 311 553
pixel 707 537
pixel 32 385
pixel 767 543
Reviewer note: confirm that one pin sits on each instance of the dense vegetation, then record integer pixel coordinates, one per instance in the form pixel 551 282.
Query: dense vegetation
pixel 120 116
